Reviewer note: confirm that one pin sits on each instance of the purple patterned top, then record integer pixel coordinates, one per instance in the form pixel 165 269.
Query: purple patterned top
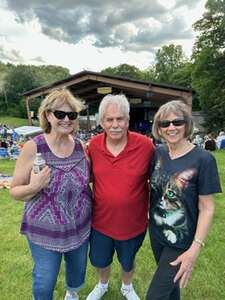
pixel 59 217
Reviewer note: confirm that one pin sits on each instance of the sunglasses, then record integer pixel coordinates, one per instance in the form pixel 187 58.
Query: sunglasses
pixel 59 114
pixel 176 122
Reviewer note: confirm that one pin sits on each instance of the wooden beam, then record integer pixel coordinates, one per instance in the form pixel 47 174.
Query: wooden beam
pixel 120 83
pixel 86 88
pixel 28 111
pixel 123 84
pixel 169 91
pixel 61 85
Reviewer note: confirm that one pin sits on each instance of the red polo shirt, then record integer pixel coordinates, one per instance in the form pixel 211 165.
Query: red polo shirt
pixel 120 186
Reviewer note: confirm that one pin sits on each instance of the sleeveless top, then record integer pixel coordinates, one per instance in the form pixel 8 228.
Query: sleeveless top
pixel 58 218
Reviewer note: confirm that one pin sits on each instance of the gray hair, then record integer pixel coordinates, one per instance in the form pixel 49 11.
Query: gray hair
pixel 177 107
pixel 120 100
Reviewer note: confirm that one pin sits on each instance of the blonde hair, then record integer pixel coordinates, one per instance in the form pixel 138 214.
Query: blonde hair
pixel 54 100
pixel 177 107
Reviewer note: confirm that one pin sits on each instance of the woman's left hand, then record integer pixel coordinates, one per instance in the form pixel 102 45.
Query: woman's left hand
pixel 186 261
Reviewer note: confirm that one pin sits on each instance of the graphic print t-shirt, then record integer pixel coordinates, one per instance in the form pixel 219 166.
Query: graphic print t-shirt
pixel 175 186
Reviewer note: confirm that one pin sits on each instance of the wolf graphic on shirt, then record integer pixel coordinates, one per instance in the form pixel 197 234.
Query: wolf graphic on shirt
pixel 170 211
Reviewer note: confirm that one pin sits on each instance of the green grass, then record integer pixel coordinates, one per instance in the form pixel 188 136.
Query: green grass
pixel 15 122
pixel 207 282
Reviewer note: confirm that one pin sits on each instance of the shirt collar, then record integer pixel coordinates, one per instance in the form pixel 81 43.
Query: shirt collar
pixel 130 146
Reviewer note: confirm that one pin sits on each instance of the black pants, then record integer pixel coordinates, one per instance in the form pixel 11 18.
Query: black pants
pixel 162 286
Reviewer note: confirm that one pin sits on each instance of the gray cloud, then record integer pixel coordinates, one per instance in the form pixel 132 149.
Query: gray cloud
pixel 11 55
pixel 14 56
pixel 38 59
pixel 129 25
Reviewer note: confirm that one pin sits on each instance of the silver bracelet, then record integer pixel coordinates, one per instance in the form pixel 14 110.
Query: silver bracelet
pixel 200 242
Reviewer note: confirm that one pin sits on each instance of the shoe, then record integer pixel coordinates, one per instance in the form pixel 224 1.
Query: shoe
pixel 129 294
pixel 71 296
pixel 97 293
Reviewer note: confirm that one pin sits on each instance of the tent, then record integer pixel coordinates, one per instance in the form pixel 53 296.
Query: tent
pixel 26 131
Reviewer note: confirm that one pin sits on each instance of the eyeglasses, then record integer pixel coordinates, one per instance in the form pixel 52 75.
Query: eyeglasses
pixel 176 122
pixel 59 114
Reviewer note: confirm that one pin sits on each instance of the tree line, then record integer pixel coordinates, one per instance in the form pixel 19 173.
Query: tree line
pixel 204 71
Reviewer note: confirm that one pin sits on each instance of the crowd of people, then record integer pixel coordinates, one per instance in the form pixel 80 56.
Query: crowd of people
pixel 210 141
pixel 10 142
pixel 136 187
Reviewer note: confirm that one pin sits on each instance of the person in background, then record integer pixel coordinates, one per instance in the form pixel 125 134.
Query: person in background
pixel 15 135
pixel 57 213
pixel 210 143
pixel 183 180
pixel 198 140
pixel 220 140
pixel 120 165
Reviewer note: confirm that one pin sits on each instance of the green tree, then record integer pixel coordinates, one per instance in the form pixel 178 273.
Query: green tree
pixel 211 27
pixel 4 68
pixel 208 76
pixel 168 59
pixel 124 70
pixel 49 74
pixel 17 80
pixel 21 78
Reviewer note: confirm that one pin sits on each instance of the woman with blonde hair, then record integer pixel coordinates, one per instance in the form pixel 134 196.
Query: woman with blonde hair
pixel 57 212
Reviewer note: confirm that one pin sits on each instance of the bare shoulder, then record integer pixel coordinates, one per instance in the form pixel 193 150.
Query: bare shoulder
pixel 24 163
pixel 29 149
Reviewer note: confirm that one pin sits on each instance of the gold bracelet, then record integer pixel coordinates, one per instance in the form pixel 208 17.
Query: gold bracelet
pixel 200 242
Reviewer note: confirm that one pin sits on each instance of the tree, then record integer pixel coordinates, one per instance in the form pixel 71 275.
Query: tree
pixel 211 27
pixel 208 77
pixel 18 80
pixel 3 95
pixel 49 74
pixel 209 81
pixel 168 60
pixel 21 78
pixel 124 70
pixel 183 77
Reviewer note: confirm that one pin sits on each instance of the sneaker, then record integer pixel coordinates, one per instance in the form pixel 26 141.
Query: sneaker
pixel 71 296
pixel 129 294
pixel 97 293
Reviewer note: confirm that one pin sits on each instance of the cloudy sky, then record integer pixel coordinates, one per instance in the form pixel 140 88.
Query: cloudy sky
pixel 94 34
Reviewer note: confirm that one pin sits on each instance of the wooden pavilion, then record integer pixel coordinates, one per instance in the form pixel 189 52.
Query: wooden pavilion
pixel 144 97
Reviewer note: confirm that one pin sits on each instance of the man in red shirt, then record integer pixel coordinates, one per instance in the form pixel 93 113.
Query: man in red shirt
pixel 120 165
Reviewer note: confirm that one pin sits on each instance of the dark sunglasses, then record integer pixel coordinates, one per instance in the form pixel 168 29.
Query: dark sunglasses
pixel 175 122
pixel 59 114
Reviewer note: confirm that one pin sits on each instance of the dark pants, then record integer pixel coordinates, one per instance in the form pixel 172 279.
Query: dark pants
pixel 162 286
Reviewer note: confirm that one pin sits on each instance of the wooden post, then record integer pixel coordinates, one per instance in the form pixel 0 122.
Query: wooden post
pixel 28 111
pixel 188 99
pixel 88 119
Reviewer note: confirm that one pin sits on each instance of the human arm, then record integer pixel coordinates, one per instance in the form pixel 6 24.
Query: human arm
pixel 26 183
pixel 188 258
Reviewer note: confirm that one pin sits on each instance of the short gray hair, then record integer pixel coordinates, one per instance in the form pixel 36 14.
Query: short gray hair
pixel 177 107
pixel 120 100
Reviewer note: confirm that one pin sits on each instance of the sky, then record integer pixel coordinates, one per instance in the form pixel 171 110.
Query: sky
pixel 94 34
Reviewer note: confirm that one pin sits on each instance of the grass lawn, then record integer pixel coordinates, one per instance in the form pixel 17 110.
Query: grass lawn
pixel 12 121
pixel 207 283
pixel 15 122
